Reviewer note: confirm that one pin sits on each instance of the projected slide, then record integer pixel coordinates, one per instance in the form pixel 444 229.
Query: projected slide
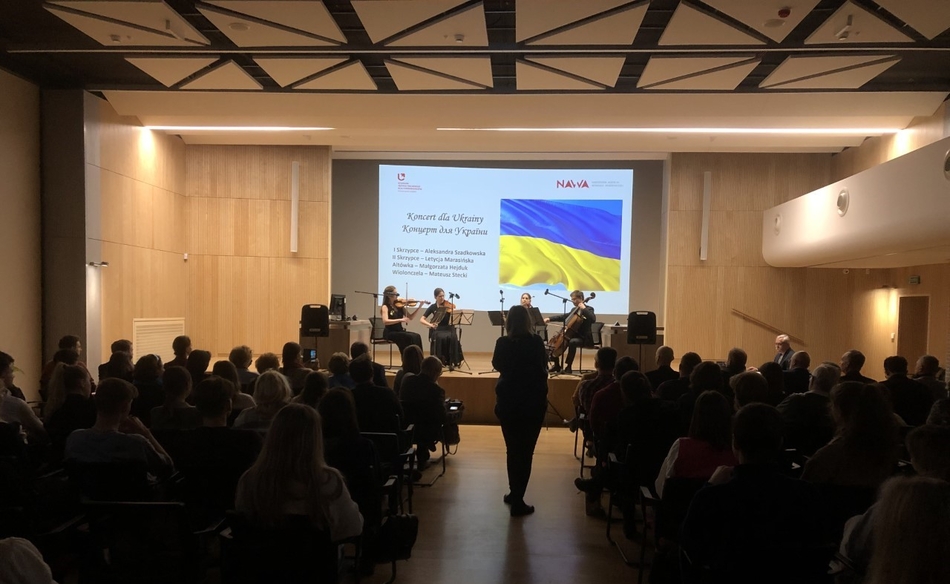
pixel 483 233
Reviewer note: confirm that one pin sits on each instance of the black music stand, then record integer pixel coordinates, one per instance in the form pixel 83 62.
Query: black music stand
pixel 537 320
pixel 458 319
pixel 498 318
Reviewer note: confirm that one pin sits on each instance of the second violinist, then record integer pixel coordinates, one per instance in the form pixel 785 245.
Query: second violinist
pixel 445 343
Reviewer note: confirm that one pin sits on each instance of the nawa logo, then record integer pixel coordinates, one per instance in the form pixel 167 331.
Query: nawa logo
pixel 573 184
pixel 401 176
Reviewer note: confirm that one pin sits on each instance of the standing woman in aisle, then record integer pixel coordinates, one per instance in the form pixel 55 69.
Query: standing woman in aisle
pixel 521 400
pixel 394 319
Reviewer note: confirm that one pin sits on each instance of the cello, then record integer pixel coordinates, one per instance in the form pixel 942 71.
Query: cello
pixel 572 328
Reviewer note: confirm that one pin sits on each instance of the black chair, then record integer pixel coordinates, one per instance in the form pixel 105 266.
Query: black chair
pixel 842 503
pixel 672 507
pixel 597 341
pixel 426 431
pixel 398 461
pixel 377 338
pixel 110 481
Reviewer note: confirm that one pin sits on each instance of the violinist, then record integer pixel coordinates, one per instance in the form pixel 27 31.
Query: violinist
pixel 394 315
pixel 526 300
pixel 445 343
pixel 583 336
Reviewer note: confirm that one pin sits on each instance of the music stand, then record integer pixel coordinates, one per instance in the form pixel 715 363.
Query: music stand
pixel 537 321
pixel 498 318
pixel 458 319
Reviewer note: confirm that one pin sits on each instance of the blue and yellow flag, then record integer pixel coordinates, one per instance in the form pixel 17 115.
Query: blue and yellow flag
pixel 574 243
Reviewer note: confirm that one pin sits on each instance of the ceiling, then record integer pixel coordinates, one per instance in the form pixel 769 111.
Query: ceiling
pixel 385 75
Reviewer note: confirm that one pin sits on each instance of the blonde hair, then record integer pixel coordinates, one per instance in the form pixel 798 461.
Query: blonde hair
pixel 911 532
pixel 271 393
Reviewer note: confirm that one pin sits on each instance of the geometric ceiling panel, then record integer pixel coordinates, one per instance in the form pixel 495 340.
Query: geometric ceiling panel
pixel 307 16
pixel 226 76
pixel 696 73
pixel 535 77
pixel 147 15
pixel 827 72
pixel 410 78
pixel 170 70
pixel 288 70
pixel 603 70
pixel 248 31
pixel 385 19
pixel 350 77
pixel 476 69
pixel 763 15
pixel 465 27
pixel 927 17
pixel 690 26
pixel 855 24
pixel 535 17
pixel 619 27
pixel 110 33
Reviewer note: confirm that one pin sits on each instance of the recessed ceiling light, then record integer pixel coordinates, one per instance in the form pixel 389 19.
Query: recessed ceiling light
pixel 239 27
pixel 238 128
pixel 773 23
pixel 707 131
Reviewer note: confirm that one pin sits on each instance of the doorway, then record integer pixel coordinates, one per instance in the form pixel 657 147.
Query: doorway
pixel 913 320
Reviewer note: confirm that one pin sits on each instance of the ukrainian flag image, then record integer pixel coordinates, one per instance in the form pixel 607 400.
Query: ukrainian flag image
pixel 574 243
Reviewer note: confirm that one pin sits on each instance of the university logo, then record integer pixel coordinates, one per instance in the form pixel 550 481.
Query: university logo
pixel 572 184
pixel 401 176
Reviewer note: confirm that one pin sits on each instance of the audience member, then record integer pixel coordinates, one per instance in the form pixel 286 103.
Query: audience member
pixel 22 563
pixel 68 343
pixel 411 365
pixel 807 417
pixel 608 402
pixel 775 378
pixel 13 410
pixel 119 366
pixel 339 368
pixel 783 352
pixel 291 477
pixel 864 450
pixel 77 411
pixel 423 402
pixel 240 401
pixel 116 436
pixel 797 376
pixel 926 373
pixel 56 389
pixel 120 346
pixel 379 372
pixel 663 371
pixel 910 400
pixel 175 414
pixel 706 376
pixel 198 363
pixel 271 394
pixel 315 386
pixel 181 347
pixel 673 390
pixel 604 363
pixel 707 446
pixel 754 523
pixel 940 413
pixel 293 369
pixel 377 409
pixel 147 379
pixel 241 357
pixel 851 364
pixel 751 387
pixel 736 361
pixel 267 362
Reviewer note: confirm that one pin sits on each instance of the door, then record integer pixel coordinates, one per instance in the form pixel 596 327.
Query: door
pixel 913 318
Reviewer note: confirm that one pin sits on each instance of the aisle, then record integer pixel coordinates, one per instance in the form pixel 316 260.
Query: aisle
pixel 467 537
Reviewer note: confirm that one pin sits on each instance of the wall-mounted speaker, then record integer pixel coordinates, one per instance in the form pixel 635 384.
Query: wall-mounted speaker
pixel 641 328
pixel 314 320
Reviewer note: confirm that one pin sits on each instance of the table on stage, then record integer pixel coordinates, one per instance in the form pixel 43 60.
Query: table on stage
pixel 616 337
pixel 343 333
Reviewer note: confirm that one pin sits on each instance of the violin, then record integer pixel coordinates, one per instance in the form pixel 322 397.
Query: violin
pixel 404 302
pixel 449 307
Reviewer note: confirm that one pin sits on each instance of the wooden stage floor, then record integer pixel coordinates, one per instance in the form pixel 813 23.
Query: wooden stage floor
pixel 475 385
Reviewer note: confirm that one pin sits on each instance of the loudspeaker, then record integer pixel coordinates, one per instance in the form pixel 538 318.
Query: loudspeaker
pixel 314 321
pixel 641 328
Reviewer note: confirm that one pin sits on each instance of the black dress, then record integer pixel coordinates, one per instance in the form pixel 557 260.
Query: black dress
pixel 444 342
pixel 397 332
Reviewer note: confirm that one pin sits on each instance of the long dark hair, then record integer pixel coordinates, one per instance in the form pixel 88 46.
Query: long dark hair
pixel 519 322
pixel 338 413
pixel 712 420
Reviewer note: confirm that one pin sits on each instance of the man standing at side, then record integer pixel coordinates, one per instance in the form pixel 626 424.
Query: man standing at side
pixel 783 352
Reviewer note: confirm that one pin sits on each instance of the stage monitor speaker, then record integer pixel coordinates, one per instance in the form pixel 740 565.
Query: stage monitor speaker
pixel 314 321
pixel 641 328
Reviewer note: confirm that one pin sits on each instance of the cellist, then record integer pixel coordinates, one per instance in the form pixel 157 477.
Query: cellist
pixel 582 335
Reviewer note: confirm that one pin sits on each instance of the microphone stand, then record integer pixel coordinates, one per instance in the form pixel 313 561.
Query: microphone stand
pixel 564 301
pixel 502 301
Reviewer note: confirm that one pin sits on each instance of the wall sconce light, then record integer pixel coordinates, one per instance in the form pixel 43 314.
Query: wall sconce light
pixel 98 264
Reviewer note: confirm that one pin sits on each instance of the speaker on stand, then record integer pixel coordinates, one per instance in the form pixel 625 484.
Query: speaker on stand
pixel 314 323
pixel 641 330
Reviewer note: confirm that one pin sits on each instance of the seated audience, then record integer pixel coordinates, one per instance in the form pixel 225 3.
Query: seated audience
pixel 910 400
pixel 291 477
pixel 940 413
pixel 926 371
pixel 796 378
pixel 377 409
pixel 379 372
pixel 77 410
pixel 16 411
pixel 604 364
pixel 754 523
pixel 241 357
pixel 293 369
pixel 315 386
pixel 411 365
pixel 13 390
pixel 663 371
pixel 736 361
pixel 119 366
pixel 197 365
pixel 864 450
pixel 147 379
pixel 751 387
pixel 181 347
pixel 175 414
pixel 267 362
pixel 608 402
pixel 673 390
pixel 423 402
pixel 851 364
pixel 271 394
pixel 775 377
pixel 121 346
pixel 116 436
pixel 708 445
pixel 71 348
pixel 56 389
pixel 706 376
pixel 807 417
pixel 339 368
pixel 239 401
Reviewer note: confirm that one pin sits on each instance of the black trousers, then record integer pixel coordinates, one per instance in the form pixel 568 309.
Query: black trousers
pixel 572 345
pixel 521 436
pixel 403 339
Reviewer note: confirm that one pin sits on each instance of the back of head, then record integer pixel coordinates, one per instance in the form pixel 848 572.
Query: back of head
pixel 624 365
pixel 338 413
pixel 290 355
pixel 757 433
pixel 358 348
pixel 6 362
pixel 824 377
pixel 940 413
pixel 712 420
pixel 518 323
pixel 266 362
pixel 147 369
pixel 774 376
pixel 895 365
pixel 241 356
pixel 664 356
pixel 69 342
pixel 198 362
pixel 911 532
pixel 736 359
pixel 688 362
pixel 412 359
pixel 606 359
pixel 271 391
pixel 635 387
pixel 176 382
pixel 705 377
pixel 181 345
pixel 928 366
pixel 22 563
pixel 432 368
pixel 800 359
pixel 213 396
pixel 120 365
pixel 67 356
pixel 114 396
pixel 76 380
pixel 751 387
pixel 361 369
pixel 314 388
pixel 852 361
pixel 121 346
pixel 226 370
pixel 339 363
pixel 865 418
pixel 929 448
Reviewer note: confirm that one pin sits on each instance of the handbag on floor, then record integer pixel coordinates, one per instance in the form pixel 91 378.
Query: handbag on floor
pixel 396 538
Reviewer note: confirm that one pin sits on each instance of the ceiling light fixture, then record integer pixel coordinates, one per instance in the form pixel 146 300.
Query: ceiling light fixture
pixel 782 131
pixel 238 128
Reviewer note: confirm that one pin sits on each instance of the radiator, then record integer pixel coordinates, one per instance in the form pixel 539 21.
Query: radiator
pixel 155 336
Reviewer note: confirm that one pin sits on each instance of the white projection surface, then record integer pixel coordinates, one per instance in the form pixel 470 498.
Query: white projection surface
pixel 485 233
